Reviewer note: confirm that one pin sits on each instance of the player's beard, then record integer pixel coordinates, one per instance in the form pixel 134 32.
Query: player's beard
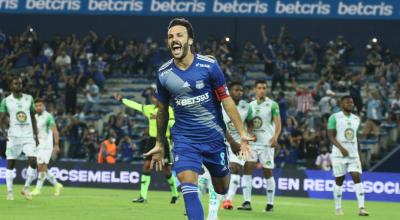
pixel 184 51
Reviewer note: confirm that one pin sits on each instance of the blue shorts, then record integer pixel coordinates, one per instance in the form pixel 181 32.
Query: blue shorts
pixel 214 156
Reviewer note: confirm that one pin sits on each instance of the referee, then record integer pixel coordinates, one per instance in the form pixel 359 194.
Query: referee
pixel 150 111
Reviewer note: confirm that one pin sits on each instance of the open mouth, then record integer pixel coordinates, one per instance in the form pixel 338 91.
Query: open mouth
pixel 176 48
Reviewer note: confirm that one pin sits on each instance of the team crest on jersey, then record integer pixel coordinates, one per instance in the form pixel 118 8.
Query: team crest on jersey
pixel 349 134
pixel 199 84
pixel 257 122
pixel 21 117
pixel 231 126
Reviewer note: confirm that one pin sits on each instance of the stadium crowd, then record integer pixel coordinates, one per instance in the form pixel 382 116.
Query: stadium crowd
pixel 61 69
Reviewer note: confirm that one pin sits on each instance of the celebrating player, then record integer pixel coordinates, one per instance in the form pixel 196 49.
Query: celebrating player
pixel 266 125
pixel 236 92
pixel 48 144
pixel 195 86
pixel 342 132
pixel 21 135
pixel 150 111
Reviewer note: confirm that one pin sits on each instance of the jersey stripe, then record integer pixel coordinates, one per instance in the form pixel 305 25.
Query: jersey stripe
pixel 205 58
pixel 165 65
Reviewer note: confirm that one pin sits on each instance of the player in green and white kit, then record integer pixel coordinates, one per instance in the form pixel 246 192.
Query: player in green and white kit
pixel 21 135
pixel 342 132
pixel 48 143
pixel 265 123
pixel 235 162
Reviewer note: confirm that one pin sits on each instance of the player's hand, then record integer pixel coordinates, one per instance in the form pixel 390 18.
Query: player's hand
pixel 118 96
pixel 273 142
pixel 157 156
pixel 245 150
pixel 235 147
pixel 344 152
pixel 56 149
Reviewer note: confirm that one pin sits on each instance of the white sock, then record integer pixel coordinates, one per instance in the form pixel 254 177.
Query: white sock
pixel 270 190
pixel 247 186
pixel 51 178
pixel 30 175
pixel 213 205
pixel 360 194
pixel 233 186
pixel 337 195
pixel 9 180
pixel 40 181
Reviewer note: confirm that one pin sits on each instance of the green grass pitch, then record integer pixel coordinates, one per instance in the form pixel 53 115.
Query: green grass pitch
pixel 112 204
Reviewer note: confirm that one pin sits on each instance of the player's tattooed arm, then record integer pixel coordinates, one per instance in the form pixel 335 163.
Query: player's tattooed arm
pixel 162 122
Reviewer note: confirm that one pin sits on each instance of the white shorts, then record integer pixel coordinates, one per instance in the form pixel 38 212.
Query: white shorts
pixel 15 146
pixel 233 158
pixel 44 155
pixel 343 165
pixel 263 154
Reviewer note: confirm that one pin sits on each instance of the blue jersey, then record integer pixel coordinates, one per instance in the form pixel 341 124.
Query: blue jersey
pixel 195 96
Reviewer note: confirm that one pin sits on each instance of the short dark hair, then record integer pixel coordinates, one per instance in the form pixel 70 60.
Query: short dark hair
pixel 182 22
pixel 259 81
pixel 40 100
pixel 234 83
pixel 345 97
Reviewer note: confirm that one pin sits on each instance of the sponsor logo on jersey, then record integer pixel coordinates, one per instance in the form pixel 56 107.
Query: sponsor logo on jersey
pixel 194 100
pixel 21 117
pixel 349 134
pixel 257 122
pixel 202 65
pixel 185 85
pixel 199 84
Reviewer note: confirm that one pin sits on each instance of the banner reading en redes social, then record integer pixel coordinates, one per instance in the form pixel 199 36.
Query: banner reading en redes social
pixel 295 183
pixel 336 9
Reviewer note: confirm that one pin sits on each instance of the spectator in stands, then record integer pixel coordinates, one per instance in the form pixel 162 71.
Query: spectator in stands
pixel 92 96
pixel 374 60
pixel 355 91
pixel 374 115
pixel 323 161
pixel 309 60
pixel 126 149
pixel 392 70
pixel 395 106
pixel 283 107
pixel 327 103
pixel 108 150
pixel 280 71
pixel 250 53
pixel 74 133
pixel 91 143
pixel 305 100
pixel 123 125
pixel 63 60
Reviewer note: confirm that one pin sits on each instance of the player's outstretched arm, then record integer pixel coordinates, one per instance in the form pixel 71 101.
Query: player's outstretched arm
pixel 157 152
pixel 232 112
pixel 129 103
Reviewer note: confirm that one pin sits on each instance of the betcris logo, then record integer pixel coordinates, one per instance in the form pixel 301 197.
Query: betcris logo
pixel 255 7
pixel 53 5
pixel 365 9
pixel 193 6
pixel 115 5
pixel 192 101
pixel 9 4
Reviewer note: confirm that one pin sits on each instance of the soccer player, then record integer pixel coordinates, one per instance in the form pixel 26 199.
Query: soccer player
pixel 236 163
pixel 48 144
pixel 342 131
pixel 150 111
pixel 17 113
pixel 266 125
pixel 195 87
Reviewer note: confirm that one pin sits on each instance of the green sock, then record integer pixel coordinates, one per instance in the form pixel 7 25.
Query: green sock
pixel 144 186
pixel 172 186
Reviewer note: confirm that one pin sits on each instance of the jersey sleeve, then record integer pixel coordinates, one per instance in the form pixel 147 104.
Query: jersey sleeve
pixel 275 109
pixel 332 122
pixel 249 113
pixel 148 110
pixel 50 122
pixel 218 84
pixel 162 93
pixel 133 105
pixel 3 106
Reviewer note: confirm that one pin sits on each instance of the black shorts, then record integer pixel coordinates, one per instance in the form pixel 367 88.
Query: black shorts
pixel 151 142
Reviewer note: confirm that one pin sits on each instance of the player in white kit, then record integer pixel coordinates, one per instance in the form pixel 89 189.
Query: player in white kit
pixel 17 114
pixel 342 131
pixel 48 144
pixel 265 123
pixel 235 162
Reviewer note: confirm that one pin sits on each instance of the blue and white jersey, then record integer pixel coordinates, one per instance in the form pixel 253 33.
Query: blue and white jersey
pixel 195 95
